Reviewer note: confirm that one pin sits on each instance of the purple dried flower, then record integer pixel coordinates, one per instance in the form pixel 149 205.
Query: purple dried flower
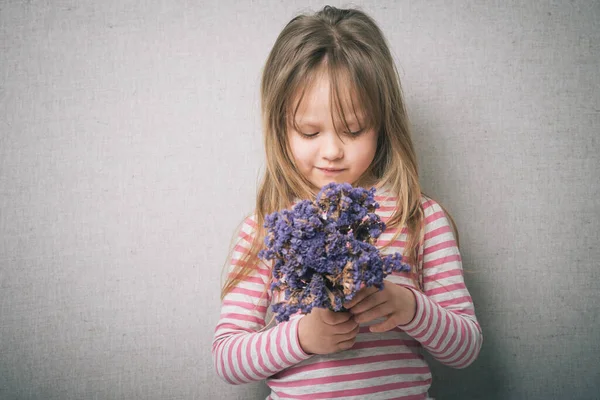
pixel 323 251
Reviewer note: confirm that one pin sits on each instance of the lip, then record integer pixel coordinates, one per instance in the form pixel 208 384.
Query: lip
pixel 331 171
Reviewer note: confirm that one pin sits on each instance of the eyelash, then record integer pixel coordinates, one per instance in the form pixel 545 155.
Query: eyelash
pixel 312 135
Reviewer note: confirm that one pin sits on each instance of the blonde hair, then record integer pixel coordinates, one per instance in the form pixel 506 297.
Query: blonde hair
pixel 349 47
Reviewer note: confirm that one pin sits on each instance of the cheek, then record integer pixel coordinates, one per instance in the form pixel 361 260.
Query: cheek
pixel 300 151
pixel 303 149
pixel 367 148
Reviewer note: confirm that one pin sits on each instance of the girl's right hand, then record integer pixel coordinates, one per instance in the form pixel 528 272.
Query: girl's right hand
pixel 324 331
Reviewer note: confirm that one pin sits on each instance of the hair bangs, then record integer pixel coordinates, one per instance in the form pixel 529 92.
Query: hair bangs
pixel 302 80
pixel 354 88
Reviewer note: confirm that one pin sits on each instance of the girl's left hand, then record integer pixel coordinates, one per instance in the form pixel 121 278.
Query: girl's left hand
pixel 394 302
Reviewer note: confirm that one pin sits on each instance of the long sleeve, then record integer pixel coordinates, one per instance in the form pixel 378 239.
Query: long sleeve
pixel 243 352
pixel 445 322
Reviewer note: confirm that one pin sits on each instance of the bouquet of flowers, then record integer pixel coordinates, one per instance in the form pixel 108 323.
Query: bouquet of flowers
pixel 323 251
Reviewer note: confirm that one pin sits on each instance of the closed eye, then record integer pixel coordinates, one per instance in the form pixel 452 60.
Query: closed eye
pixel 355 133
pixel 312 135
pixel 308 135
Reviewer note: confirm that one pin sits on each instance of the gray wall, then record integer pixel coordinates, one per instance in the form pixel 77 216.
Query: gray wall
pixel 130 150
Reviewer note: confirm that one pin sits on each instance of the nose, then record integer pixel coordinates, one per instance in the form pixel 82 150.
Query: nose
pixel 332 147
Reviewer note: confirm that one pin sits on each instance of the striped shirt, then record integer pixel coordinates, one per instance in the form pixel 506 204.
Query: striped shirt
pixel 385 365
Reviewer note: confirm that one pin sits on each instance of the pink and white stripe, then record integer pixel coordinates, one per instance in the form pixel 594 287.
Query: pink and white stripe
pixel 380 365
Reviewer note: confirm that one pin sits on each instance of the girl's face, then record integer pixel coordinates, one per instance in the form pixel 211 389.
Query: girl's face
pixel 322 155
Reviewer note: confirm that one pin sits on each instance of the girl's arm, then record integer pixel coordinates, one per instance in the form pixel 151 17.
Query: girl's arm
pixel 242 352
pixel 444 322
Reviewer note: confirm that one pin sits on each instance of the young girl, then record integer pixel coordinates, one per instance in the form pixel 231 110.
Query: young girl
pixel 333 112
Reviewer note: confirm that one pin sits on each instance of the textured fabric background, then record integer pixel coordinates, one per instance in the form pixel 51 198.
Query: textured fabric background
pixel 130 150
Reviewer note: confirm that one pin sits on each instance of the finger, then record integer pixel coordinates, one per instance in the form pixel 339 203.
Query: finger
pixel 348 335
pixel 346 345
pixel 360 295
pixel 368 302
pixel 324 314
pixel 345 328
pixel 335 318
pixel 384 326
pixel 379 311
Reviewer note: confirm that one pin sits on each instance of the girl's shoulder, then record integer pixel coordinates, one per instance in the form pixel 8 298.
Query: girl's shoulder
pixel 436 218
pixel 250 220
pixel 247 228
pixel 430 206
